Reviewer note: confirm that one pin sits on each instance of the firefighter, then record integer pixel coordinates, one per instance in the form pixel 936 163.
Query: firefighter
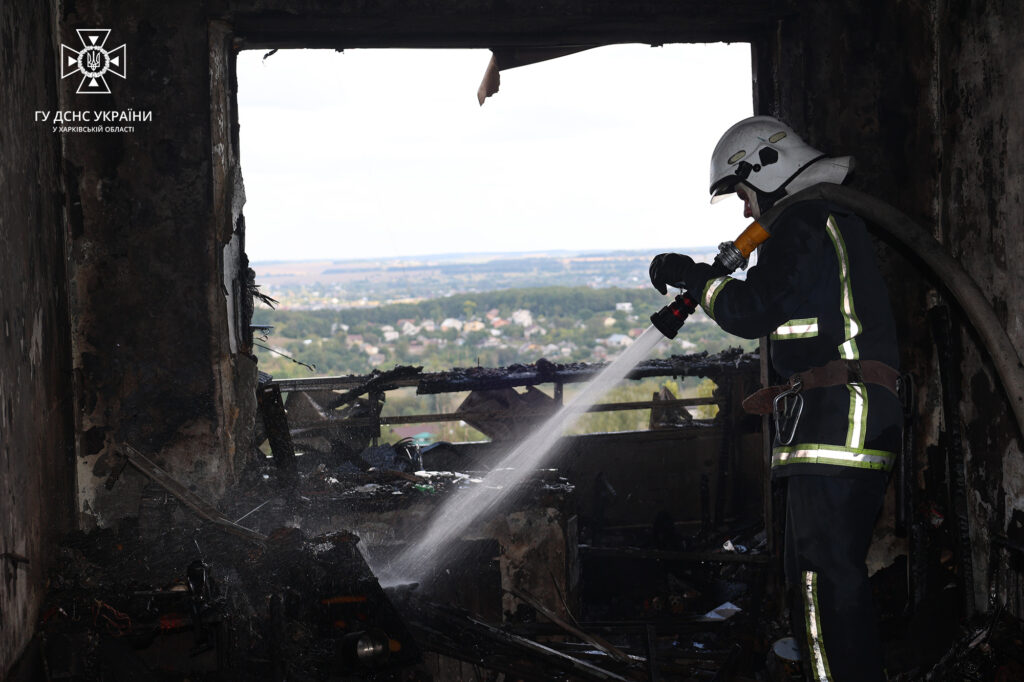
pixel 817 293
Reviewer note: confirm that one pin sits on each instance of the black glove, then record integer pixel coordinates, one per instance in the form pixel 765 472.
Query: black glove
pixel 670 269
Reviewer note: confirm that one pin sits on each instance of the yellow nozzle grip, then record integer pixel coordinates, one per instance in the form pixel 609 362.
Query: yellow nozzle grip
pixel 751 238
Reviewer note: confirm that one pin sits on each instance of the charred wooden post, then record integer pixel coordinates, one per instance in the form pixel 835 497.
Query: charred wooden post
pixel 275 421
pixel 947 341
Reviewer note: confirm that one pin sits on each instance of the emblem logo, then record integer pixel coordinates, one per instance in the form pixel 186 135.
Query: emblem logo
pixel 93 61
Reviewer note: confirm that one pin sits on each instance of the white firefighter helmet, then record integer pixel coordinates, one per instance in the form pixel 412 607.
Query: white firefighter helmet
pixel 768 156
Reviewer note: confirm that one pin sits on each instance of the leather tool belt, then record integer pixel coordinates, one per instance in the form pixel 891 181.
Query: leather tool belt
pixel 834 373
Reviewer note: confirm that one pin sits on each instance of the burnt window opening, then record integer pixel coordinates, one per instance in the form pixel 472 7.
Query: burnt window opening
pixel 552 137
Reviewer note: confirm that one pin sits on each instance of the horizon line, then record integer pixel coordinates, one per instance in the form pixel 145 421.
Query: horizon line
pixel 488 254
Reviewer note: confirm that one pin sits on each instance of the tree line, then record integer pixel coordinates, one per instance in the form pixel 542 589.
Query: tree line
pixel 550 302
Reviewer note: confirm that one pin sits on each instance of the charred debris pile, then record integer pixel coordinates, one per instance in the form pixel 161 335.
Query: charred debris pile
pixel 200 603
pixel 276 581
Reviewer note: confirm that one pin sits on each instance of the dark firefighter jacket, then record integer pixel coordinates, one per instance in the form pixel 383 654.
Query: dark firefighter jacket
pixel 816 292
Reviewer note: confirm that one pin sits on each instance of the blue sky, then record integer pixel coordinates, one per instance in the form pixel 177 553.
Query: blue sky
pixel 386 153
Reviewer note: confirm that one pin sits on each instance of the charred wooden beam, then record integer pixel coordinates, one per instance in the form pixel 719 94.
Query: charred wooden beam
pixel 455 633
pixel 377 382
pixel 593 640
pixel 197 504
pixel 467 415
pixel 342 383
pixel 401 23
pixel 726 363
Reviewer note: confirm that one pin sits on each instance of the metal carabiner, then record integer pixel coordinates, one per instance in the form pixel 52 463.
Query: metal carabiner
pixel 787 408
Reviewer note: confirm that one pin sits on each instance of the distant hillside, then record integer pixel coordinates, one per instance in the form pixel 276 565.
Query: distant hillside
pixel 490 329
pixel 332 284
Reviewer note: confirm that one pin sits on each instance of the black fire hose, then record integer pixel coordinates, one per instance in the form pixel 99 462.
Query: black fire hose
pixel 970 297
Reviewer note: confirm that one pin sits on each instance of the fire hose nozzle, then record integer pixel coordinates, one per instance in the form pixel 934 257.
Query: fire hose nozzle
pixel 669 320
pixel 731 256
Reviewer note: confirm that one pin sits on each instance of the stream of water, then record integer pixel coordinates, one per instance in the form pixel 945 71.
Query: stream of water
pixel 467 505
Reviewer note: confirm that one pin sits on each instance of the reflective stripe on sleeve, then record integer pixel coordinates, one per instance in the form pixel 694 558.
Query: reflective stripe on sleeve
pixel 812 621
pixel 805 328
pixel 856 432
pixel 816 453
pixel 711 291
pixel 851 324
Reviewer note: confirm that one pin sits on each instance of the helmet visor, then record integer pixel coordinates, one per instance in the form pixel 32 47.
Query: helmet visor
pixel 727 185
pixel 723 188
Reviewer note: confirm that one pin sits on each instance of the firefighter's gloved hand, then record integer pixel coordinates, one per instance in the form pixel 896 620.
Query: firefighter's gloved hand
pixel 671 269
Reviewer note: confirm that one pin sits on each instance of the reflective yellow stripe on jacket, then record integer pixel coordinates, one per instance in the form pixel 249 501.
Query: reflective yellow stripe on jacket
pixel 712 289
pixel 848 349
pixel 817 453
pixel 804 328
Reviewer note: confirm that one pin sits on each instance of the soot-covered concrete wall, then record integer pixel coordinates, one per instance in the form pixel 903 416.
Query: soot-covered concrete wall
pixel 153 259
pixel 924 95
pixel 36 446
pixel 980 69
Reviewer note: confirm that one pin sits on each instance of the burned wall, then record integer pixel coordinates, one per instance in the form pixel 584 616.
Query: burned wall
pixel 923 95
pixel 151 210
pixel 36 457
pixel 980 70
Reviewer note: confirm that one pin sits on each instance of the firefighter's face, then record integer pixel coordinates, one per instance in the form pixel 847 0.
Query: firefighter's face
pixel 749 205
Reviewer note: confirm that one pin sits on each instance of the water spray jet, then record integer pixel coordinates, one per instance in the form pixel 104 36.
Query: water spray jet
pixel 469 504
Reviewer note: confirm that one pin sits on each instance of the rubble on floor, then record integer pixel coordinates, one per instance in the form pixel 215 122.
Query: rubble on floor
pixel 197 603
pixel 189 600
pixel 281 579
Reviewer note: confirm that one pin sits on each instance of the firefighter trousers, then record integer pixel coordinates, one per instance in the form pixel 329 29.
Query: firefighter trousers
pixel 829 524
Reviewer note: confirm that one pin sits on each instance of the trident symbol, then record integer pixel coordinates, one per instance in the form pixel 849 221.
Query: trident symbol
pixel 92 60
